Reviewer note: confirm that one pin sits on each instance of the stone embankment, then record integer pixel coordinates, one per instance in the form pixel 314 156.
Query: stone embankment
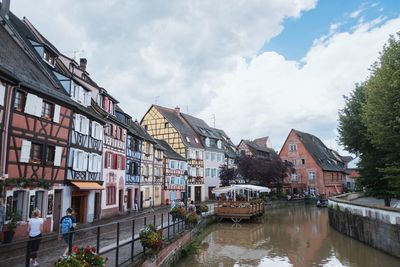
pixel 378 227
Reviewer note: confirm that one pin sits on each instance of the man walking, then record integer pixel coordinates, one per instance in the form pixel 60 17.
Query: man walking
pixel 67 224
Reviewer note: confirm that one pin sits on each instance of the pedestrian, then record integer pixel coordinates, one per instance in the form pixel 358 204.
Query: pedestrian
pixel 192 207
pixel 151 204
pixel 35 228
pixel 67 224
pixel 2 213
pixel 135 206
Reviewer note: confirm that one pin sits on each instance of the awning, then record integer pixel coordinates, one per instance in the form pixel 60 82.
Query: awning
pixel 88 185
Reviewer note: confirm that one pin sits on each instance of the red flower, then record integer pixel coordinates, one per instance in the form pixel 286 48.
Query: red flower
pixel 75 249
pixel 106 258
pixel 93 249
pixel 87 250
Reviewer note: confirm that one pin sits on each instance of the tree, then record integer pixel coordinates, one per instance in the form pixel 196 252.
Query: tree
pixel 255 170
pixel 369 124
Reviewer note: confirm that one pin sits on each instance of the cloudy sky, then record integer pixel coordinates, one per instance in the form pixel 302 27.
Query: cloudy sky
pixel 256 68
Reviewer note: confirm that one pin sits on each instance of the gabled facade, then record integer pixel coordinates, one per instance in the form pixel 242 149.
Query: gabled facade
pixel 175 165
pixel 257 148
pixel 231 151
pixel 35 119
pixel 169 125
pixel 319 170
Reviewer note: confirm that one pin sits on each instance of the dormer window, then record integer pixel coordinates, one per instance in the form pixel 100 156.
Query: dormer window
pixel 49 58
pixel 219 144
pixel 207 141
pixel 80 95
pixel 196 140
pixel 188 139
pixel 292 147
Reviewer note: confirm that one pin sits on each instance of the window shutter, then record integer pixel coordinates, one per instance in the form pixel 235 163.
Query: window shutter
pixel 30 104
pixel 81 96
pixel 85 125
pixel 56 116
pixel 77 122
pixel 100 131
pixel 123 163
pixel 25 151
pixel 38 106
pixel 94 133
pixel 87 98
pixel 58 156
pixel 75 165
pixel 90 160
pixel 115 161
pixel 85 161
pixel 98 163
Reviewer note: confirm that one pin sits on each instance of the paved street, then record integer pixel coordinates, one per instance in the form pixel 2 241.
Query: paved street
pixel 51 248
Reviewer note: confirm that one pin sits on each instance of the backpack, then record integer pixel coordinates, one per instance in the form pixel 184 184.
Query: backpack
pixel 66 225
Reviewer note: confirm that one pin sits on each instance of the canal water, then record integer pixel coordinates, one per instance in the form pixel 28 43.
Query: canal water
pixel 298 236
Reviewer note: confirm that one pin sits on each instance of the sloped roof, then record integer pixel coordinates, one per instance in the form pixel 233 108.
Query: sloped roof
pixel 230 146
pixel 168 151
pixel 322 155
pixel 181 126
pixel 257 147
pixel 200 126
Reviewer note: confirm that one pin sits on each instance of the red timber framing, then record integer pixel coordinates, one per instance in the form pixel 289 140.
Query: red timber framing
pixel 47 138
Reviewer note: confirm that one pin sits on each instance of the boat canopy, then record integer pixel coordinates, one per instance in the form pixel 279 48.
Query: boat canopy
pixel 233 189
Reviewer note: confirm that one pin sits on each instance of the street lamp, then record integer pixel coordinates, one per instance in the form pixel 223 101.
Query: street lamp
pixel 185 177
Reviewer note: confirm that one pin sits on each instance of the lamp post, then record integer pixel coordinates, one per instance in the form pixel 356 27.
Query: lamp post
pixel 185 177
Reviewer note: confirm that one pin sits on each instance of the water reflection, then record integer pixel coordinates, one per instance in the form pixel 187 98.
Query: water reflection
pixel 295 236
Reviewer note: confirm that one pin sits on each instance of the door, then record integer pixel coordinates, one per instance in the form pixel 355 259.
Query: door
pixel 57 209
pixel 79 208
pixel 121 200
pixel 97 205
pixel 197 194
pixel 129 204
pixel 141 199
pixel 210 193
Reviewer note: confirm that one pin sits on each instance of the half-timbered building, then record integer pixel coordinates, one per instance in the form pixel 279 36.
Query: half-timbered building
pixel 36 117
pixel 173 181
pixel 169 125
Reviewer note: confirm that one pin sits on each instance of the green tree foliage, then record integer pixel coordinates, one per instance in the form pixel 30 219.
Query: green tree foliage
pixel 369 124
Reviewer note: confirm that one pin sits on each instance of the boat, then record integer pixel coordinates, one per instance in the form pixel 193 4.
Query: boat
pixel 239 202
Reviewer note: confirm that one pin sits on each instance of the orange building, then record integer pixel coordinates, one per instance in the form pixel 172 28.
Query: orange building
pixel 318 169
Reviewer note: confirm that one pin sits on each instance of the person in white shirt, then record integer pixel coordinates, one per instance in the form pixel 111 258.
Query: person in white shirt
pixel 35 228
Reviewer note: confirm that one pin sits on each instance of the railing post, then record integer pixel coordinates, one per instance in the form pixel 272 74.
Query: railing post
pixel 173 228
pixel 168 223
pixel 98 240
pixel 144 223
pixel 117 248
pixel 162 222
pixel 154 220
pixel 133 241
pixel 28 253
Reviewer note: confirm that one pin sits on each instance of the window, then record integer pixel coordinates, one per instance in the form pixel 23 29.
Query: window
pixel 207 141
pixel 295 177
pixel 219 157
pixel 47 110
pixel 213 172
pixel 219 144
pixel 207 155
pixel 36 153
pixel 207 172
pixel 94 163
pixel 198 155
pixel 38 202
pixel 111 192
pixel 80 95
pixel 18 203
pixel 48 58
pixel 97 131
pixel 303 161
pixel 198 172
pixel 81 124
pixel 2 92
pixel 50 152
pixel 292 147
pixel 80 160
pixel 20 99
pixel 145 127
pixel 109 159
pixel 196 140
pixel 212 156
pixel 119 162
pixel 172 164
pixel 188 139
pixel 166 124
pixel 312 176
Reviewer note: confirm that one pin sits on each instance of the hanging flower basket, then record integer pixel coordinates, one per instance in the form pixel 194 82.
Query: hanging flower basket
pixel 151 238
pixel 192 219
pixel 82 257
pixel 203 207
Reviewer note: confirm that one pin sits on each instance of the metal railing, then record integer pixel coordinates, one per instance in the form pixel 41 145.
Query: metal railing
pixel 118 241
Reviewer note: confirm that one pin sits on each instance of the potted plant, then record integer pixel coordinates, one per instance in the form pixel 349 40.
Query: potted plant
pixel 192 219
pixel 15 218
pixel 203 207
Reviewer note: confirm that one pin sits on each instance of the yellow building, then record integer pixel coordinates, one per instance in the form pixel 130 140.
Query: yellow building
pixel 169 125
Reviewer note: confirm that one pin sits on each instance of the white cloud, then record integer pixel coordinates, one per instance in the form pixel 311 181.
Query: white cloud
pixel 202 55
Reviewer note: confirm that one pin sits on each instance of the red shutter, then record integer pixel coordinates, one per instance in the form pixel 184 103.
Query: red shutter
pixel 106 160
pixel 123 162
pixel 115 158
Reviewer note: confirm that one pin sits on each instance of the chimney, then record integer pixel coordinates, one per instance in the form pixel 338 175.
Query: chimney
pixel 83 63
pixel 5 8
pixel 178 110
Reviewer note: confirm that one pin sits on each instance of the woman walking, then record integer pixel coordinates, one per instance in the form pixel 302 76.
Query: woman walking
pixel 35 228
